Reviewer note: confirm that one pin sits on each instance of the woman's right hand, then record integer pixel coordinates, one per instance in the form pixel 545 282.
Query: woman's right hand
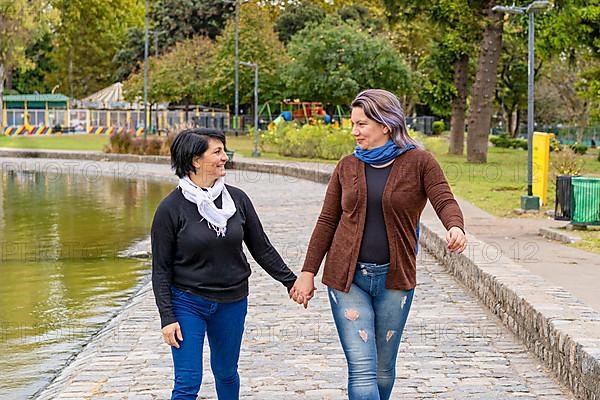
pixel 303 289
pixel 171 334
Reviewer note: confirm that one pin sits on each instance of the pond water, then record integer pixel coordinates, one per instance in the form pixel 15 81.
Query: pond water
pixel 61 276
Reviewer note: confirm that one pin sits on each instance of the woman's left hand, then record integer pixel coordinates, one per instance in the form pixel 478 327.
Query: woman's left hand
pixel 457 241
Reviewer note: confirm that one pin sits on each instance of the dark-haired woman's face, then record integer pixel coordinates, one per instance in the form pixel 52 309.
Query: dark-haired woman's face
pixel 211 165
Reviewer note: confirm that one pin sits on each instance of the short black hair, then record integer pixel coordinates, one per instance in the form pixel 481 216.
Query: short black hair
pixel 188 144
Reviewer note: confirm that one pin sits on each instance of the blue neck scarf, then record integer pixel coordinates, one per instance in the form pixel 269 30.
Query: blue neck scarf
pixel 381 155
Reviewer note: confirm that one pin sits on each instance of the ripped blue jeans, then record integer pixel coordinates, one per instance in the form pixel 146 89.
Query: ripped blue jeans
pixel 370 320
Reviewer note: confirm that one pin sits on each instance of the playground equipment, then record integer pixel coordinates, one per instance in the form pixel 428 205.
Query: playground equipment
pixel 304 112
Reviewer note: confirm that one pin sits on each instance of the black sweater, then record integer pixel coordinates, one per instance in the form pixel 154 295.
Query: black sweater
pixel 187 254
pixel 374 247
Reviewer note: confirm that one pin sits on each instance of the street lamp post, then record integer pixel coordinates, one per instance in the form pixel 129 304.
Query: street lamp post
pixel 146 71
pixel 255 152
pixel 528 202
pixel 155 33
pixel 236 64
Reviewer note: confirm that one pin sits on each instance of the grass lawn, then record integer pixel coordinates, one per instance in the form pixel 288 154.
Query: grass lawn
pixel 496 186
pixel 55 142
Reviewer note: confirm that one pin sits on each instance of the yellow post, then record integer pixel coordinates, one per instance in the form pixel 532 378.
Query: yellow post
pixel 26 118
pixel 541 162
pixel 4 116
pixel 68 116
pixel 87 120
pixel 128 118
pixel 46 115
pixel 108 124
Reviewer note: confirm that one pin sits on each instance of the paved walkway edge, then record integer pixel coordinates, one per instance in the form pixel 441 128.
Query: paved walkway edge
pixel 561 331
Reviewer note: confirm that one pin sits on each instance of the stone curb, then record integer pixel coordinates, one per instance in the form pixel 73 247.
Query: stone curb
pixel 557 235
pixel 562 332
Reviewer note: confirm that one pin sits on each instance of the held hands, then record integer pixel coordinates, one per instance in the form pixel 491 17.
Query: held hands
pixel 457 241
pixel 303 289
pixel 171 334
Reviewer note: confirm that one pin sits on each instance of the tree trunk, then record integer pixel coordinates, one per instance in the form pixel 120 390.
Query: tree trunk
pixel 8 74
pixel 480 117
pixel 515 131
pixel 1 93
pixel 459 105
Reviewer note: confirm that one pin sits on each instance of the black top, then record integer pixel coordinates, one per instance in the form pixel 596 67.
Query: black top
pixel 374 246
pixel 187 254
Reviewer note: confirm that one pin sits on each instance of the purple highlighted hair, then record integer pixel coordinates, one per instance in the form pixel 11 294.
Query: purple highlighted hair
pixel 384 108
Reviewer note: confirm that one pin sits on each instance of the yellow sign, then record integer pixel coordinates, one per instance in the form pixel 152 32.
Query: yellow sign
pixel 540 164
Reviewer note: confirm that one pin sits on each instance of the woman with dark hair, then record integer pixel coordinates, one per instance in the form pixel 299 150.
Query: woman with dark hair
pixel 199 271
pixel 369 229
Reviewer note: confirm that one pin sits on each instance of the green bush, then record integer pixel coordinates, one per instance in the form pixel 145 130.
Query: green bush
pixel 579 148
pixel 505 142
pixel 312 141
pixel 501 141
pixel 518 144
pixel 598 156
pixel 438 127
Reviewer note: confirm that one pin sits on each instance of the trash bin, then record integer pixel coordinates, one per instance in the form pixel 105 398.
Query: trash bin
pixel 564 203
pixel 586 196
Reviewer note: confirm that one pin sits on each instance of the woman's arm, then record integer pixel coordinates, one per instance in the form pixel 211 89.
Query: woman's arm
pixel 320 240
pixel 164 237
pixel 439 194
pixel 322 235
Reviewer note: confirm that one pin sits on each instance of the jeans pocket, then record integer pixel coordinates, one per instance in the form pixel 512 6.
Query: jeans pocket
pixel 177 293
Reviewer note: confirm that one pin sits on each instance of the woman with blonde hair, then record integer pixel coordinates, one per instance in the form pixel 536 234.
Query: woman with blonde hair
pixel 369 230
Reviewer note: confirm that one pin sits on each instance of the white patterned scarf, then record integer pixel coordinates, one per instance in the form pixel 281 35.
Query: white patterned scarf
pixel 204 200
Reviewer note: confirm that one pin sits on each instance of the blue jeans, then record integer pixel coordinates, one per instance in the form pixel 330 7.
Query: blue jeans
pixel 370 320
pixel 223 323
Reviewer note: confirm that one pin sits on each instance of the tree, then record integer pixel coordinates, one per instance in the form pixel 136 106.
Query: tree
pixel 129 57
pixel 333 61
pixel 174 21
pixel 295 17
pixel 33 79
pixel 561 95
pixel 178 76
pixel 17 29
pixel 484 88
pixel 445 68
pixel 362 16
pixel 580 19
pixel 88 36
pixel 183 19
pixel 258 43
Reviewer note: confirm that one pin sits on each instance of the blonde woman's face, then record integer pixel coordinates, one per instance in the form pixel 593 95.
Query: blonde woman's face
pixel 368 133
